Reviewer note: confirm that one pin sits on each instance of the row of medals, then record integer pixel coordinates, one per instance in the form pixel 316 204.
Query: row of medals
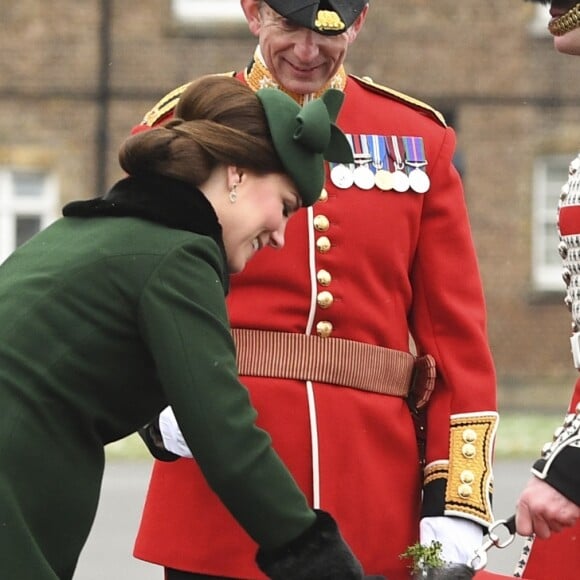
pixel 365 175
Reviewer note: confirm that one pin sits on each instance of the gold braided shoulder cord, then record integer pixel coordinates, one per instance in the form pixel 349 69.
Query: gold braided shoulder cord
pixel 566 23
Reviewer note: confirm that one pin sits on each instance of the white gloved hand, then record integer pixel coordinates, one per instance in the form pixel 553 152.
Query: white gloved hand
pixel 459 538
pixel 171 434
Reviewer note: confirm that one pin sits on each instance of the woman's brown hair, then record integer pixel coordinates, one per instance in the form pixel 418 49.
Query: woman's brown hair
pixel 217 121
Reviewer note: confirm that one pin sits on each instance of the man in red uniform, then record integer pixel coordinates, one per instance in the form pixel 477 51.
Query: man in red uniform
pixel 326 328
pixel 551 500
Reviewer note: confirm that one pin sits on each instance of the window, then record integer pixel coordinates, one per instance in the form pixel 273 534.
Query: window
pixel 189 12
pixel 539 23
pixel 28 203
pixel 550 174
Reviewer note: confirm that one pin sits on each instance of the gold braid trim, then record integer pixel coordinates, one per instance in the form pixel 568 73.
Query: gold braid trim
pixel 167 103
pixel 566 23
pixel 257 76
pixel 470 478
pixel 436 470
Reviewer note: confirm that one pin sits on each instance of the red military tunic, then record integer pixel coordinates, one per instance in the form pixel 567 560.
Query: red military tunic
pixel 376 267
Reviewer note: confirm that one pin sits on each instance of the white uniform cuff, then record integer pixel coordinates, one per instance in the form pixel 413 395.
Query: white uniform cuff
pixel 171 434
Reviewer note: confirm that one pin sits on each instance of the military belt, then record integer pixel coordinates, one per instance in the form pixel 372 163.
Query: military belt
pixel 335 361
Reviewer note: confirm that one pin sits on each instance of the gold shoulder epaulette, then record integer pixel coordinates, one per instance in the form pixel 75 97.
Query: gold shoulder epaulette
pixel 368 82
pixel 167 103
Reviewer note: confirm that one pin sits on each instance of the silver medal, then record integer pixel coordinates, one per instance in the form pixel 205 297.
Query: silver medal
pixel 363 174
pixel 419 181
pixel 415 159
pixel 363 177
pixel 400 181
pixel 341 176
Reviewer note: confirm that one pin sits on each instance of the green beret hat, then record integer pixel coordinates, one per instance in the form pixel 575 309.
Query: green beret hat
pixel 304 137
pixel 324 16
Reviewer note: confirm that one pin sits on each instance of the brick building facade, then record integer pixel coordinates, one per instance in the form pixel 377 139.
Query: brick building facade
pixel 75 76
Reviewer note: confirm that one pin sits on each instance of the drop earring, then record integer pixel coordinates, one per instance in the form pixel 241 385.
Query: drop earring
pixel 233 195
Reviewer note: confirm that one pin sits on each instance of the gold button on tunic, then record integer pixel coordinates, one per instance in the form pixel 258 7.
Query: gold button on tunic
pixel 324 328
pixel 323 244
pixel 324 277
pixel 321 223
pixel 325 299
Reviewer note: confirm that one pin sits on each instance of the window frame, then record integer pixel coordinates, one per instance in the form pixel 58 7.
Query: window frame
pixel 547 272
pixel 12 206
pixel 203 18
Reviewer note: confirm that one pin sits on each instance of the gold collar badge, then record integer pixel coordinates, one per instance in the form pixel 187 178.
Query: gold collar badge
pixel 328 20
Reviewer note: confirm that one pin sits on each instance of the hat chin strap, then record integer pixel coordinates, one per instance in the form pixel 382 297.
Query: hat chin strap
pixel 566 23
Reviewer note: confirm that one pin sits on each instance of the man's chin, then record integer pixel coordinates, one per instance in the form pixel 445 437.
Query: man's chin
pixel 302 84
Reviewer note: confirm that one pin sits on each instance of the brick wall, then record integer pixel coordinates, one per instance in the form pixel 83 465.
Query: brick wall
pixel 511 97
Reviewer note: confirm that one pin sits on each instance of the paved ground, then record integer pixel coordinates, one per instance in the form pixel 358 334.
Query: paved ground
pixel 107 555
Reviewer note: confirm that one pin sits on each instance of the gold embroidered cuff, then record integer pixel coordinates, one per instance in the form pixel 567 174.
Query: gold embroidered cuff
pixel 470 477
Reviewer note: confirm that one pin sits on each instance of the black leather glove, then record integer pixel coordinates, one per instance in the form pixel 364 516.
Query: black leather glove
pixel 452 572
pixel 320 553
pixel 151 435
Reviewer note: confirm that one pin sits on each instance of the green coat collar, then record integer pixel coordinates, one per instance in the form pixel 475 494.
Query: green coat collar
pixel 157 198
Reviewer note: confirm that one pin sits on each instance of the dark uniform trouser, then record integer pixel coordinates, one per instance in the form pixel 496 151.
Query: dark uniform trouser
pixel 171 574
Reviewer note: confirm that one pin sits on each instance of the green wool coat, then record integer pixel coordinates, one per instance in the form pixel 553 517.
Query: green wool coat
pixel 106 317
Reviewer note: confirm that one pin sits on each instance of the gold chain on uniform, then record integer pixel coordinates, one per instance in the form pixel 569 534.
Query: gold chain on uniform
pixel 257 76
pixel 566 23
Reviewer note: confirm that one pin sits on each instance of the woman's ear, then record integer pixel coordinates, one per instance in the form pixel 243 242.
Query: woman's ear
pixel 234 175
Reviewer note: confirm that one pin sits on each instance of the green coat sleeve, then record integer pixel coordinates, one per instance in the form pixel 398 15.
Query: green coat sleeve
pixel 184 322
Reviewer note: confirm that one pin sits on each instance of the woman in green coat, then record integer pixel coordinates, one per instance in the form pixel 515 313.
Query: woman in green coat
pixel 117 310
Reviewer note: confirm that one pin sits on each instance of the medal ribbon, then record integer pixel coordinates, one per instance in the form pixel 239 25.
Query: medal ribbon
pixel 414 151
pixel 350 139
pixel 377 156
pixel 366 146
pixel 384 152
pixel 399 164
pixel 357 147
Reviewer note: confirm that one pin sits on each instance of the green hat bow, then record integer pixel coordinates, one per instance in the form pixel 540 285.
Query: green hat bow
pixel 306 136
